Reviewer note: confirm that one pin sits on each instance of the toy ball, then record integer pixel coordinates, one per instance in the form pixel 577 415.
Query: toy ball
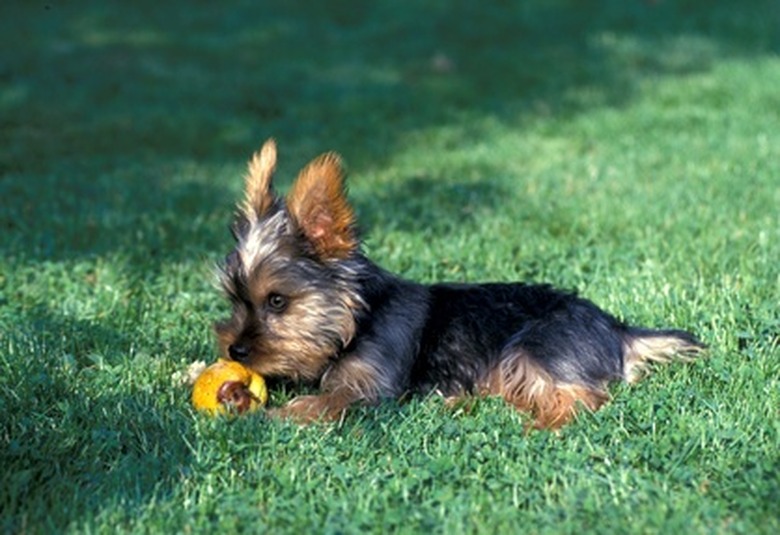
pixel 227 387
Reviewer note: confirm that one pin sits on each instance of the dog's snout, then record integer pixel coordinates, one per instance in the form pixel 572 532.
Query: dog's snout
pixel 238 352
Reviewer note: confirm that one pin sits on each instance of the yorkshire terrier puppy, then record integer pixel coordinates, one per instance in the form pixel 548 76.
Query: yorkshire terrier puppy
pixel 309 306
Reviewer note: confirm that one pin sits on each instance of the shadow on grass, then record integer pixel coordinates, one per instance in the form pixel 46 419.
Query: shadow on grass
pixel 79 431
pixel 124 129
pixel 101 104
pixel 104 464
pixel 144 214
pixel 427 204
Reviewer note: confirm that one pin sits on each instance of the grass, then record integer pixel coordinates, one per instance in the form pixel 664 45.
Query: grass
pixel 628 149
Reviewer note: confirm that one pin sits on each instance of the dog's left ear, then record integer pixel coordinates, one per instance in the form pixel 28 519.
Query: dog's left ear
pixel 259 194
pixel 318 203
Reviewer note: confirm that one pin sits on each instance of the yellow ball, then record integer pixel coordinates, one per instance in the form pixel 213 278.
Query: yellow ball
pixel 228 387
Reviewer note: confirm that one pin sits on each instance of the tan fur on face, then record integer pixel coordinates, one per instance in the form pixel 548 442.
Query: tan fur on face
pixel 299 341
pixel 318 203
pixel 526 386
pixel 305 337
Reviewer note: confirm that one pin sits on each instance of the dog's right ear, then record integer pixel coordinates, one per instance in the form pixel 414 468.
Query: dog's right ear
pixel 259 195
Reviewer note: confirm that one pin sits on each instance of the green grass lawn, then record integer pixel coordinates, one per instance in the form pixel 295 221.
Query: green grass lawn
pixel 627 148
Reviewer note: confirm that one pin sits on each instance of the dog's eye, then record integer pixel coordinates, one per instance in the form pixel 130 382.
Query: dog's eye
pixel 277 303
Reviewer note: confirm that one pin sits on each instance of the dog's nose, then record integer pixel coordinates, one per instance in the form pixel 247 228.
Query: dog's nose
pixel 238 352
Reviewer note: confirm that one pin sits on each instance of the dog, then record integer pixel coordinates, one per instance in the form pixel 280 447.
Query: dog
pixel 310 307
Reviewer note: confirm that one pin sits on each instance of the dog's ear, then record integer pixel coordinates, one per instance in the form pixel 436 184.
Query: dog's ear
pixel 259 195
pixel 318 204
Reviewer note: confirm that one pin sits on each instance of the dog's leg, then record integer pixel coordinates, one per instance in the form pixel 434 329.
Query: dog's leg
pixel 351 380
pixel 308 409
pixel 524 384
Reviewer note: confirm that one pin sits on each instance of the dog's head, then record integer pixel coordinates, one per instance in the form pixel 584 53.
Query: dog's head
pixel 292 277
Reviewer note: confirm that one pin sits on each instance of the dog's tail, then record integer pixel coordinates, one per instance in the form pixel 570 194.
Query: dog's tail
pixel 642 347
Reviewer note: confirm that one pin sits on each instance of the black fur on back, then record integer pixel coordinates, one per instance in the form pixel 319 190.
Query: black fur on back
pixel 447 337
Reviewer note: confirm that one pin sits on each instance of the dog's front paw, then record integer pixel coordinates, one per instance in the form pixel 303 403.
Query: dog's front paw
pixel 309 409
